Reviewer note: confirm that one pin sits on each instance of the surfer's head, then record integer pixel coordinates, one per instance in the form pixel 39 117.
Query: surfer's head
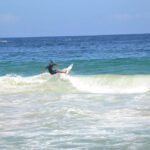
pixel 51 62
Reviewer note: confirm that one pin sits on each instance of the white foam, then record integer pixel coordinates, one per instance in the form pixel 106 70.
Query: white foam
pixel 62 82
pixel 112 83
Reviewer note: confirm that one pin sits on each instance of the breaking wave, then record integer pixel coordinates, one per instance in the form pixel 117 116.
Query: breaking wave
pixel 74 83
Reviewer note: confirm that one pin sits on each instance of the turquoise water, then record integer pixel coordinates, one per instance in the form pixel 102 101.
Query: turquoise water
pixel 103 103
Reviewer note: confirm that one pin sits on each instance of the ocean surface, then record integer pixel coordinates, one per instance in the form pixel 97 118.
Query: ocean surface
pixel 102 104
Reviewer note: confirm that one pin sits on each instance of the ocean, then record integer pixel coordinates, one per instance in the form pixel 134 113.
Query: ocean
pixel 102 104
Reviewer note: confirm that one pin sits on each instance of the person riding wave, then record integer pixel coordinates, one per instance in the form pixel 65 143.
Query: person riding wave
pixel 50 69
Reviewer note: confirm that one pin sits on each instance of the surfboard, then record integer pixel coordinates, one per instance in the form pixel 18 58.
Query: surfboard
pixel 68 68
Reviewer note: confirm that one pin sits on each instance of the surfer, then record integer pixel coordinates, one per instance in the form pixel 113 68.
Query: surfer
pixel 50 69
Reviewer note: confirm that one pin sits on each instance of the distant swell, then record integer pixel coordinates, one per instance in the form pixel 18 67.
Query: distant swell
pixel 65 83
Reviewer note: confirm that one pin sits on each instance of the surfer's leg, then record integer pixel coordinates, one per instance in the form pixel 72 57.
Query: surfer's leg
pixel 58 71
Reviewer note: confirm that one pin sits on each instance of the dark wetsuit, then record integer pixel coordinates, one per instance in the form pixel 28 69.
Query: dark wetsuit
pixel 50 69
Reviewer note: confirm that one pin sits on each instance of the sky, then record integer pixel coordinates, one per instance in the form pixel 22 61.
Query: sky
pixel 32 18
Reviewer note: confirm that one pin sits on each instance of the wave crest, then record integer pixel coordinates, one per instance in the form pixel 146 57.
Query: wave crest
pixel 112 83
pixel 66 83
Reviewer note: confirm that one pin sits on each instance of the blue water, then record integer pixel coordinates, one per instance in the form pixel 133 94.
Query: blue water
pixel 103 103
pixel 115 54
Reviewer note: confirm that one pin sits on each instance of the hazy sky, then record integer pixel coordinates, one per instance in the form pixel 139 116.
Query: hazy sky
pixel 73 17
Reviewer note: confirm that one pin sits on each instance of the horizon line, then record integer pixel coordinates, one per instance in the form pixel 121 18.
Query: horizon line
pixel 73 35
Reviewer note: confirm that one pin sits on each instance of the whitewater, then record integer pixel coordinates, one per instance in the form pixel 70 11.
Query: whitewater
pixel 74 111
pixel 75 83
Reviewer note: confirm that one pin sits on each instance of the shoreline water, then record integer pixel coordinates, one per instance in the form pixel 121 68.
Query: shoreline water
pixel 103 103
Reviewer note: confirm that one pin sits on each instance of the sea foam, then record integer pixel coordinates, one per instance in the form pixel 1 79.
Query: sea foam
pixel 62 83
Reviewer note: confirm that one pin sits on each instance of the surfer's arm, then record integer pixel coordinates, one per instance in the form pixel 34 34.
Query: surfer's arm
pixel 43 70
pixel 56 64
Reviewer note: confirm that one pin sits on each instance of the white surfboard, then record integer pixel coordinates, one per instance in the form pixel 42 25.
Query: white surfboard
pixel 68 68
